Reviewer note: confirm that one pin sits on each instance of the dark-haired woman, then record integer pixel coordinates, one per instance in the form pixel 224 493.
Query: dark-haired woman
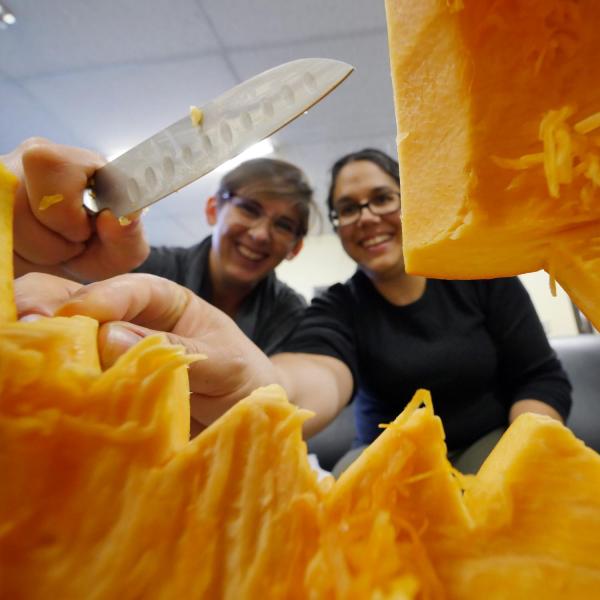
pixel 477 345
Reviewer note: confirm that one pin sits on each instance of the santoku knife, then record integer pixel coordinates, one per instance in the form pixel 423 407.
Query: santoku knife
pixel 200 142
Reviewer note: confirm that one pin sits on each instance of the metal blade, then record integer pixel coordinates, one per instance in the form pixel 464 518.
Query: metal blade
pixel 184 151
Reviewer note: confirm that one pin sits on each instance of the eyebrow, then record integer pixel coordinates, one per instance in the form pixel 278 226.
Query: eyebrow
pixel 289 218
pixel 376 190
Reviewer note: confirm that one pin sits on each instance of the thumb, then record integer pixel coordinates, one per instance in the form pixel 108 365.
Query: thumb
pixel 115 338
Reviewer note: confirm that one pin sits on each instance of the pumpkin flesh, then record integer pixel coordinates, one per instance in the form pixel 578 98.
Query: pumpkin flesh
pixel 499 139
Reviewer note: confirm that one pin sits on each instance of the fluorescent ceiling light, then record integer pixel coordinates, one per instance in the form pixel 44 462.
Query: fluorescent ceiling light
pixel 263 148
pixel 116 153
pixel 6 17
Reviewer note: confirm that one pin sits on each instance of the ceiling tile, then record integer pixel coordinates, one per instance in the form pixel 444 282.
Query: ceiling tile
pixel 22 116
pixel 114 108
pixel 361 106
pixel 282 22
pixel 72 34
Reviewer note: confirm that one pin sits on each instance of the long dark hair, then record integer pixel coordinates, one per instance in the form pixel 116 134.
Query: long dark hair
pixel 384 161
pixel 277 177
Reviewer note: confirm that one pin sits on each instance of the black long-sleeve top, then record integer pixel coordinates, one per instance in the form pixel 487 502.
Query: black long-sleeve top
pixel 478 346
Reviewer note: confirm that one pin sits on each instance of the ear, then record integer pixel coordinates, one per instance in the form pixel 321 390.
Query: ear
pixel 210 210
pixel 294 251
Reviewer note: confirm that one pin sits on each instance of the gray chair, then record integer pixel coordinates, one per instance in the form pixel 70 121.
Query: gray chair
pixel 580 356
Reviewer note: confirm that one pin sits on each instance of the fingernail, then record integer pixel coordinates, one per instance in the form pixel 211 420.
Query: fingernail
pixel 116 341
pixel 30 317
pixel 132 218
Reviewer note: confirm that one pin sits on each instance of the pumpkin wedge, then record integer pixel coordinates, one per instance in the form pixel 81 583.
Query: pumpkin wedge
pixel 528 524
pixel 104 496
pixel 498 118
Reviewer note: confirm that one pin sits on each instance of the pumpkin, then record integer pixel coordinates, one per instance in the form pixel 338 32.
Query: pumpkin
pixel 498 119
pixel 104 496
pixel 401 520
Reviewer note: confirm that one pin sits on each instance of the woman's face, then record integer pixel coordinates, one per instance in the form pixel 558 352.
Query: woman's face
pixel 374 242
pixel 253 232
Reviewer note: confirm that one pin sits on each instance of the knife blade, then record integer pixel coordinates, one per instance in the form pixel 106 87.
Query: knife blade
pixel 187 150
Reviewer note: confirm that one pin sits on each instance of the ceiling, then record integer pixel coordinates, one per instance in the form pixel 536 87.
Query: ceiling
pixel 106 75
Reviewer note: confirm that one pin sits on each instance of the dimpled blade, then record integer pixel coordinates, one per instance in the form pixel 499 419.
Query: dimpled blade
pixel 187 150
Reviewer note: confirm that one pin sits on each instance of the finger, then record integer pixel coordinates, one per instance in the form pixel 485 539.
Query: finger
pixel 207 403
pixel 115 338
pixel 235 366
pixel 147 300
pixel 34 242
pixel 55 177
pixel 39 294
pixel 117 247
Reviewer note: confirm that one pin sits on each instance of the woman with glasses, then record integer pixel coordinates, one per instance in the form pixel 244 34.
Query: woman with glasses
pixel 477 345
pixel 259 215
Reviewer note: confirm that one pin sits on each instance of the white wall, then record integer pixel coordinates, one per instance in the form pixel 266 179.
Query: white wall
pixel 555 312
pixel 322 262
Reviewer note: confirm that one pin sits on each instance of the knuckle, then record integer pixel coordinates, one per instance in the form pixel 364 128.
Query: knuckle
pixel 34 142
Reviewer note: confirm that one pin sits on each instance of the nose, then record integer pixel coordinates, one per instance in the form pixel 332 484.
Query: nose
pixel 261 229
pixel 366 216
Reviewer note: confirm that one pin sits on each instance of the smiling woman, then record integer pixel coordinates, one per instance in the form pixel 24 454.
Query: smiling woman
pixel 259 216
pixel 477 345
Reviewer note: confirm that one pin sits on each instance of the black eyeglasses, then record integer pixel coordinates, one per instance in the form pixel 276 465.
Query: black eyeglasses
pixel 250 212
pixel 348 212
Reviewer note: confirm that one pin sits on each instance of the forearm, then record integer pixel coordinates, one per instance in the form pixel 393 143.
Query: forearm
pixel 321 384
pixel 532 406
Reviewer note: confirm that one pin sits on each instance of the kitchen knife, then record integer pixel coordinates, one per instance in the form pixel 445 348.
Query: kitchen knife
pixel 188 149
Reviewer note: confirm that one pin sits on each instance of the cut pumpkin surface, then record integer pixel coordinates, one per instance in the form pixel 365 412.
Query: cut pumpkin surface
pixel 498 117
pixel 103 496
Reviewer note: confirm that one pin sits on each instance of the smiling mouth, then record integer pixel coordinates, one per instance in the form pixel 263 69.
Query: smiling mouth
pixel 250 254
pixel 376 240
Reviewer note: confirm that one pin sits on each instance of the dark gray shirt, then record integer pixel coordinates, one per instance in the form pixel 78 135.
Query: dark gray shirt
pixel 267 316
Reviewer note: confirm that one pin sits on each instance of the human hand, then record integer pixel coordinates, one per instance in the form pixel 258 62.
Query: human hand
pixel 63 238
pixel 131 307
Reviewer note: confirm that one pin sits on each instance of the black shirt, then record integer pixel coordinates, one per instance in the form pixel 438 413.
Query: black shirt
pixel 478 346
pixel 267 316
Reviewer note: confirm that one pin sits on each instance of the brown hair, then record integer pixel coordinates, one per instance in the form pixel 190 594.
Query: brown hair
pixel 278 177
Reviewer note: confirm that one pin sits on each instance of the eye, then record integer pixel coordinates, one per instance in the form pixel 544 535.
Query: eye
pixel 383 199
pixel 286 226
pixel 249 208
pixel 347 209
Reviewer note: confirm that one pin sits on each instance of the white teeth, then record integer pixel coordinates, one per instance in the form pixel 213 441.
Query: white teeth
pixel 378 239
pixel 246 253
